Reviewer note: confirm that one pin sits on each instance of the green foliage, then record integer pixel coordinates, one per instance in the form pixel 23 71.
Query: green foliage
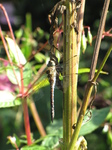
pixel 40 57
pixel 97 118
pixel 34 147
pixel 27 74
pixel 15 52
pixel 42 82
pixel 25 35
pixel 53 141
pixel 28 41
pixel 7 99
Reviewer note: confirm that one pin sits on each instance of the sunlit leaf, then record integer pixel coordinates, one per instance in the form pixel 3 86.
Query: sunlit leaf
pixel 19 33
pixel 27 74
pixel 7 99
pixel 29 22
pixel 87 70
pixel 11 75
pixel 15 52
pixel 40 57
pixel 34 147
pixel 28 42
pixel 82 71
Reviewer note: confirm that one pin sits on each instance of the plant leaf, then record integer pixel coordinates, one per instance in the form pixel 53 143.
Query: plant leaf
pixel 11 75
pixel 27 74
pixel 87 70
pixel 7 99
pixel 98 117
pixel 53 141
pixel 57 132
pixel 34 147
pixel 15 52
pixel 40 57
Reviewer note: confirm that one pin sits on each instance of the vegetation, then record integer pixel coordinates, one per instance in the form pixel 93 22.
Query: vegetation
pixel 84 104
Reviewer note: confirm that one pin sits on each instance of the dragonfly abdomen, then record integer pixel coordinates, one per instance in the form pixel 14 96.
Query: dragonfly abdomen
pixel 51 71
pixel 52 86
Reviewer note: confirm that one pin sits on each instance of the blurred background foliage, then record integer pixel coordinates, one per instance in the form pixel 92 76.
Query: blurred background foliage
pixel 37 32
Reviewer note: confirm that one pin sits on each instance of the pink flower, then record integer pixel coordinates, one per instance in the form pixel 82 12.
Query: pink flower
pixel 5 84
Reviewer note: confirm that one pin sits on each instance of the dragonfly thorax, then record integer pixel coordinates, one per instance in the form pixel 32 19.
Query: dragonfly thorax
pixel 51 63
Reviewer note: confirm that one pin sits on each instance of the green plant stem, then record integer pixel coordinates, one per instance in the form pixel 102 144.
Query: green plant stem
pixel 81 116
pixel 86 100
pixel 102 64
pixel 70 73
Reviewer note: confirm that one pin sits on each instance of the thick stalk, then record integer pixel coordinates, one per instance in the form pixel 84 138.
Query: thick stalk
pixel 86 100
pixel 70 73
pixel 90 83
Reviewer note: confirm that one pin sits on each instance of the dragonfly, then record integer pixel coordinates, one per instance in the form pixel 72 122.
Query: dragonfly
pixel 51 75
pixel 53 69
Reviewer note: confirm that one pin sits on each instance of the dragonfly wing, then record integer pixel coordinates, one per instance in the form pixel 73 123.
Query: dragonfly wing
pixel 42 82
pixel 58 83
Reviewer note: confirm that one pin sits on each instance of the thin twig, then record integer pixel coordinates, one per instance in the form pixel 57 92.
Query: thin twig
pixel 7 61
pixel 80 24
pixel 98 38
pixel 37 118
